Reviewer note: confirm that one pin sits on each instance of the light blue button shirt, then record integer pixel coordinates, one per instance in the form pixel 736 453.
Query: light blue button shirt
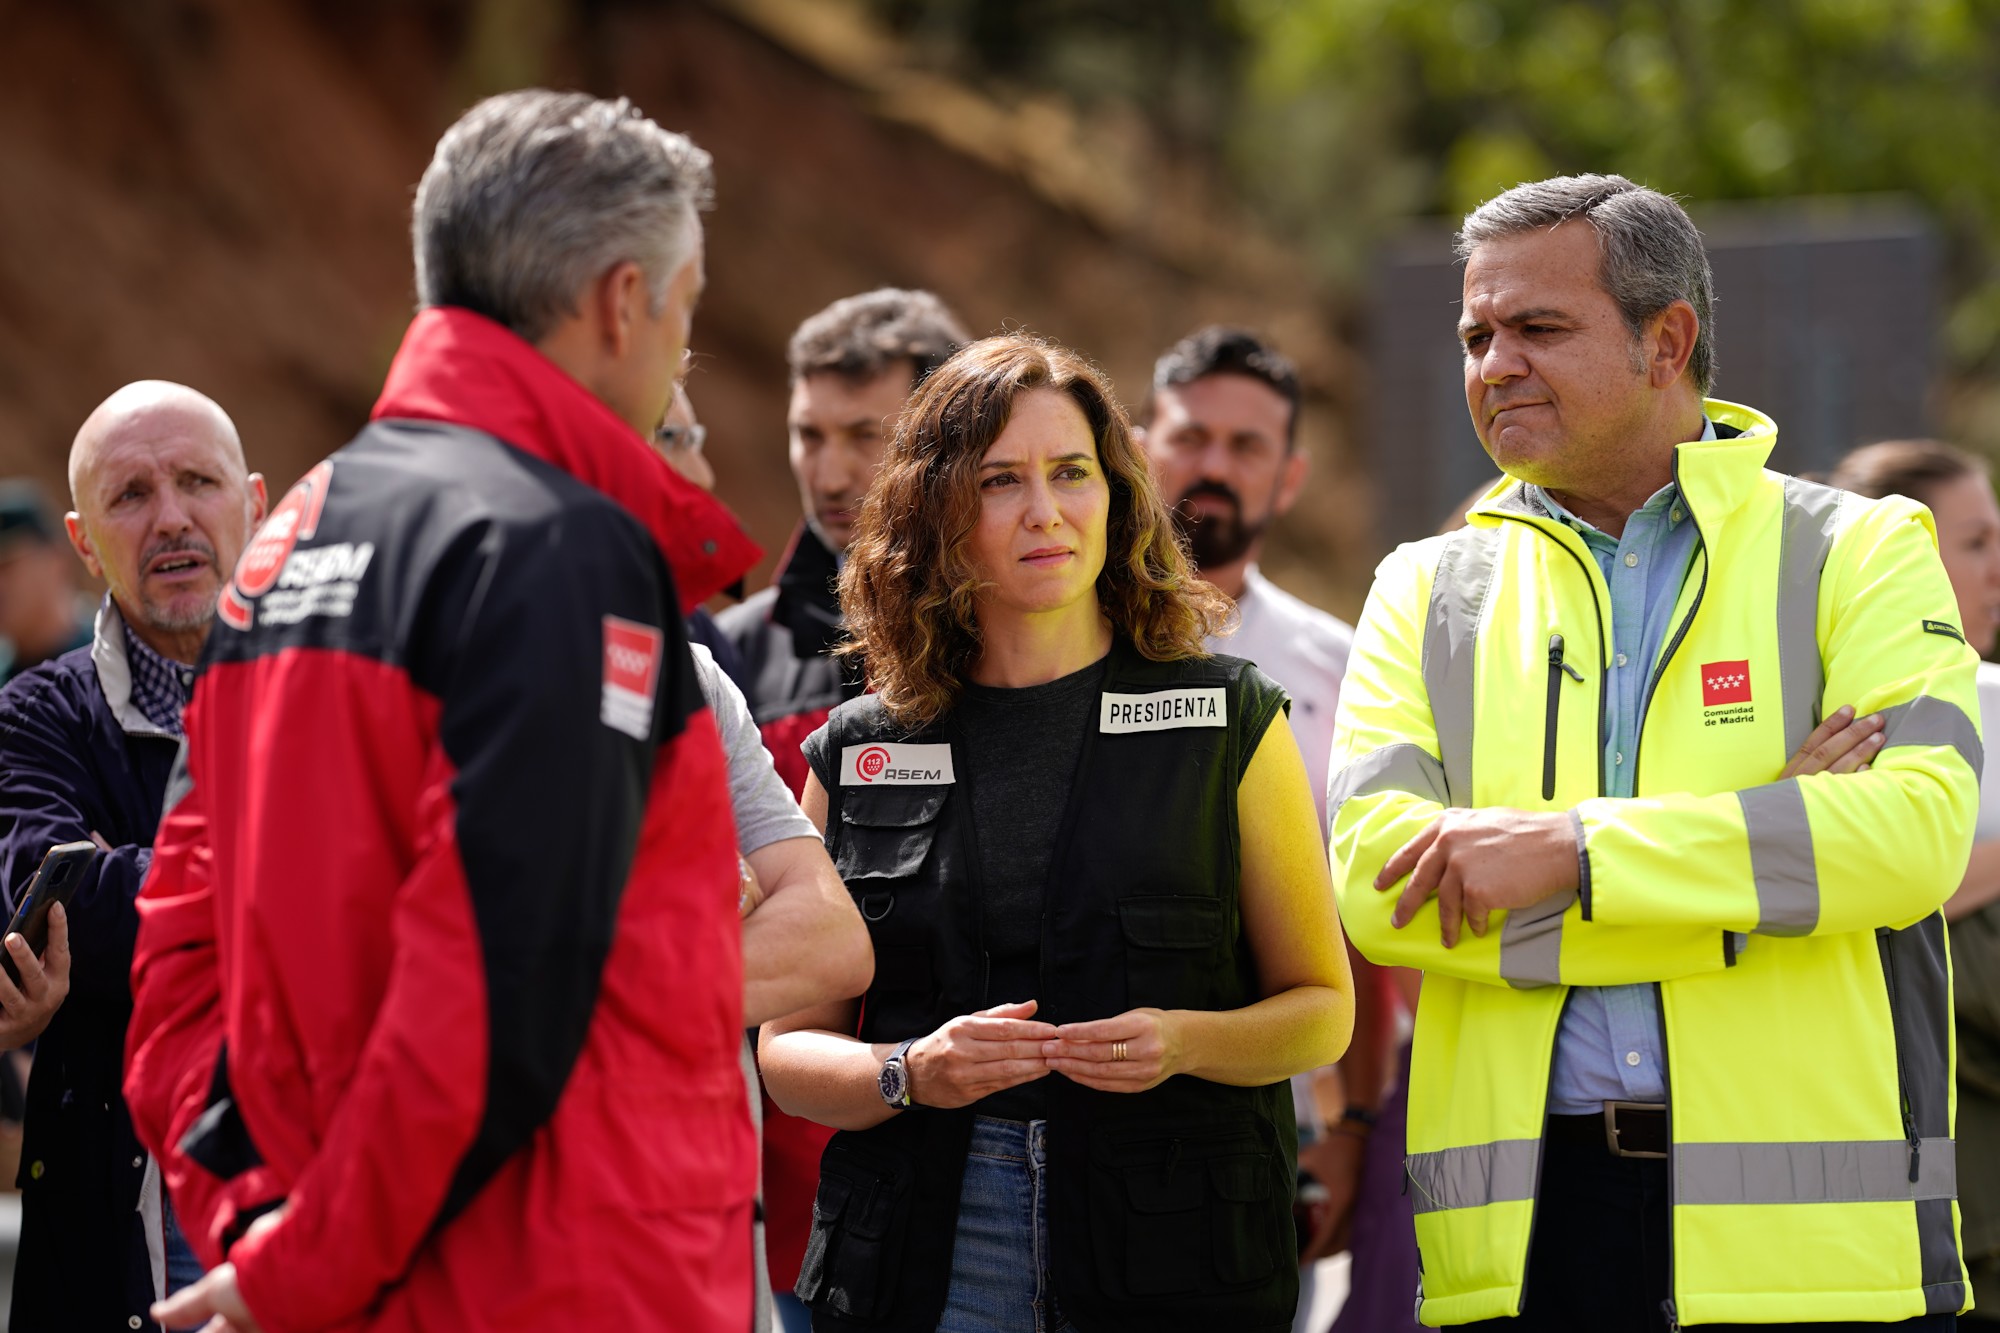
pixel 1609 1045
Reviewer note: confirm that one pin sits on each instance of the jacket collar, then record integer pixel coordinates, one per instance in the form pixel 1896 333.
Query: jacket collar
pixel 808 601
pixel 1717 475
pixel 463 368
pixel 114 674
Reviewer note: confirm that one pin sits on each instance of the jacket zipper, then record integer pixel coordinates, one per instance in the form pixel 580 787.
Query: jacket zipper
pixel 1680 632
pixel 1667 1306
pixel 1556 668
pixel 1882 942
pixel 1542 1162
pixel 1597 609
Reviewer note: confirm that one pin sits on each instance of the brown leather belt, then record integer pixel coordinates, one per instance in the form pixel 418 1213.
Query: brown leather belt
pixel 1625 1129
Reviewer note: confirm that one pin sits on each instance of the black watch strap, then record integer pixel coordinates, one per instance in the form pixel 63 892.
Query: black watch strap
pixel 896 1058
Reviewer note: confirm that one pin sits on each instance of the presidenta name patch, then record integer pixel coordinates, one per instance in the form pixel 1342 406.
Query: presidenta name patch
pixel 1164 711
pixel 885 764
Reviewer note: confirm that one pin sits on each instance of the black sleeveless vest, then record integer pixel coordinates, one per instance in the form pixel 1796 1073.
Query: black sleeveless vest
pixel 1169 1210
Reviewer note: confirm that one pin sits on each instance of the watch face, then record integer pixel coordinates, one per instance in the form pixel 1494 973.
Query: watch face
pixel 891 1082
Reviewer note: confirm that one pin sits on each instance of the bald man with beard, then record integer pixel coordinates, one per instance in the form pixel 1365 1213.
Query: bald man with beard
pixel 164 504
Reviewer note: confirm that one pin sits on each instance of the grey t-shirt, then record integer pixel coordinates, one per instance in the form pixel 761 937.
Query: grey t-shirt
pixel 764 809
pixel 765 813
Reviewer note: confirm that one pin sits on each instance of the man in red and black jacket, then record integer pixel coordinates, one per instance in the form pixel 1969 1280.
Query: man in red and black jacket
pixel 438 983
pixel 853 365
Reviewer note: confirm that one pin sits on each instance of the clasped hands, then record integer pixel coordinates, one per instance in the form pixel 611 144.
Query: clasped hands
pixel 977 1055
pixel 1494 858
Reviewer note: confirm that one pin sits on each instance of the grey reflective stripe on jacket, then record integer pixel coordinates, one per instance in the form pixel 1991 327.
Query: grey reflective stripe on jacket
pixel 1503 1171
pixel 1459 589
pixel 1781 843
pixel 1869 1171
pixel 1811 512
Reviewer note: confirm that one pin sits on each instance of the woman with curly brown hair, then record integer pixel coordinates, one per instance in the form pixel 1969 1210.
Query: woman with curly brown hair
pixel 1103 922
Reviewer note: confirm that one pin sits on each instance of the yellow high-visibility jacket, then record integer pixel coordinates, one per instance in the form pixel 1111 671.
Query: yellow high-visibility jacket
pixel 1792 926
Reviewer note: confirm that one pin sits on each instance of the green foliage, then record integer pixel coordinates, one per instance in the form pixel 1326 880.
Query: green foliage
pixel 1708 99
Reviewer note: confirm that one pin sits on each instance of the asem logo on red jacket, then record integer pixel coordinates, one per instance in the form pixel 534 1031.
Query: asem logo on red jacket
pixel 1725 683
pixel 295 519
pixel 631 669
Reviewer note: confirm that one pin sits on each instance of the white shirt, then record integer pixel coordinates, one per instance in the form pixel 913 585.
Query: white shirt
pixel 1989 726
pixel 1305 650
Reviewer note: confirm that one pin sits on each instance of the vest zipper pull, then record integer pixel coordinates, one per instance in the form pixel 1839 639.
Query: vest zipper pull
pixel 1556 669
pixel 1173 1160
pixel 1916 1144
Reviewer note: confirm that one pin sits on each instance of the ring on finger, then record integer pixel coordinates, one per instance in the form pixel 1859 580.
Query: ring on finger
pixel 1118 1050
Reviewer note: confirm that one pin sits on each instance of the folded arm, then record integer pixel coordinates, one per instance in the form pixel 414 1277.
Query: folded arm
pixel 1822 853
pixel 1388 793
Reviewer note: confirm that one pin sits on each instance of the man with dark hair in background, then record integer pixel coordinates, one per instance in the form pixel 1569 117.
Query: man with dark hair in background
pixel 39 614
pixel 1221 426
pixel 438 986
pixel 852 366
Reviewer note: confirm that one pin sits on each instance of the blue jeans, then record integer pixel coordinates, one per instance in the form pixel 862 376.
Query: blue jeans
pixel 1000 1256
pixel 793 1316
pixel 183 1269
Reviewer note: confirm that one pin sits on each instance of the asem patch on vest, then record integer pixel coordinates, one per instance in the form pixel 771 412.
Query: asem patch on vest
pixel 1940 627
pixel 1164 711
pixel 893 765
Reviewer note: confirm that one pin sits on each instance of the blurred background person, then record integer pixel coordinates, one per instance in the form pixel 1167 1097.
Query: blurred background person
pixel 41 615
pixel 1084 848
pixel 1220 426
pixel 164 505
pixel 682 441
pixel 1958 489
pixel 852 365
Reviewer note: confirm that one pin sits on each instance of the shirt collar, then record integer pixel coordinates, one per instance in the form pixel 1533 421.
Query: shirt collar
pixel 160 686
pixel 1667 498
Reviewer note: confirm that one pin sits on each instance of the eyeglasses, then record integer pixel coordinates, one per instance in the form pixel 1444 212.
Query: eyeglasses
pixel 674 438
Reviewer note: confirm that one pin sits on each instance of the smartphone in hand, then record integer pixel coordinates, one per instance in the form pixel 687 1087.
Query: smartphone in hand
pixel 55 881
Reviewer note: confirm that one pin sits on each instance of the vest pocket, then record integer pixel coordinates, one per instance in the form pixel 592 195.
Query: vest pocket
pixel 887 832
pixel 886 835
pixel 860 1214
pixel 1181 1212
pixel 1170 944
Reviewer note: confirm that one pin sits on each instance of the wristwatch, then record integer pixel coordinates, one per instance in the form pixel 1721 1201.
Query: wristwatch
pixel 894 1080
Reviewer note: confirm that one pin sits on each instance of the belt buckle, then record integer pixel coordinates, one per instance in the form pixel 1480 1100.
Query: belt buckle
pixel 1611 1110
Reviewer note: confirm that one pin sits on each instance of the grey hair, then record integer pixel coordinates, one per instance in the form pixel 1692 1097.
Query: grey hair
pixel 534 194
pixel 1650 254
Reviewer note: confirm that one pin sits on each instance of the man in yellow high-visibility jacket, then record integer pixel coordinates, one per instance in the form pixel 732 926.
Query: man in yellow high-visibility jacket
pixel 1660 768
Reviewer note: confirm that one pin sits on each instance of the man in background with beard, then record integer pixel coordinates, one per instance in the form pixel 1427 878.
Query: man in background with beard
pixel 1221 427
pixel 164 505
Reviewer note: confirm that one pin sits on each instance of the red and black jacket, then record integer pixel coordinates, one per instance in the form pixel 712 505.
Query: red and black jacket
pixel 440 949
